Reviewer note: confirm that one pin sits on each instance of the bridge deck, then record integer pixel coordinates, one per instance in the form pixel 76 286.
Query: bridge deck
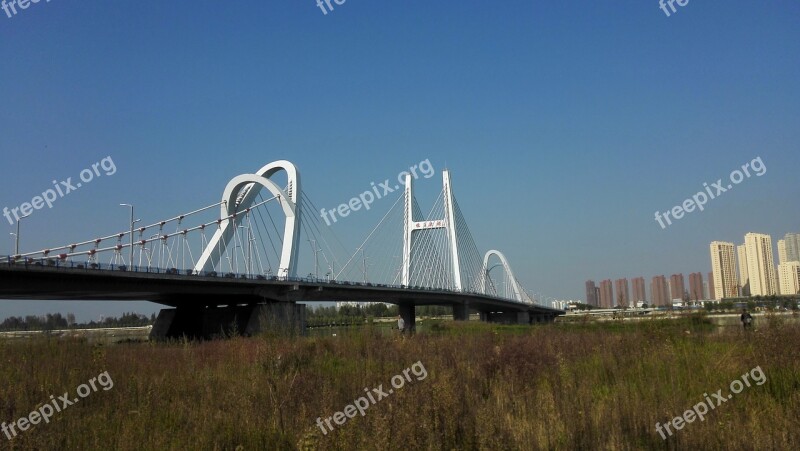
pixel 31 281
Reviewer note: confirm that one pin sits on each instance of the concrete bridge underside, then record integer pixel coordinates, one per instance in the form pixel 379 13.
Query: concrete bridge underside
pixel 206 306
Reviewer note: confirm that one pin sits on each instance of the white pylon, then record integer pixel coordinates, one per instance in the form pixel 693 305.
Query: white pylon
pixel 410 226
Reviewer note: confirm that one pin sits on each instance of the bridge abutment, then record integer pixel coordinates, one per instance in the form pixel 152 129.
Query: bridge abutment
pixel 280 318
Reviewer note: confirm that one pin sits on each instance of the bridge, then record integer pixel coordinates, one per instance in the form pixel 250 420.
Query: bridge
pixel 229 266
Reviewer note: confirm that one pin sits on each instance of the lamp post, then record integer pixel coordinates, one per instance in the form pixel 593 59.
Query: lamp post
pixel 16 247
pixel 316 259
pixel 14 235
pixel 364 259
pixel 248 264
pixel 130 259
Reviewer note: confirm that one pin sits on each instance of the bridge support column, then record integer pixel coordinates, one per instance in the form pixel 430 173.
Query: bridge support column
pixel 506 317
pixel 461 312
pixel 281 318
pixel 542 318
pixel 408 313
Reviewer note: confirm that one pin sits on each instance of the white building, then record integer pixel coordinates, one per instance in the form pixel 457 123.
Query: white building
pixel 782 252
pixel 760 264
pixel 792 241
pixel 744 277
pixel 723 268
pixel 789 275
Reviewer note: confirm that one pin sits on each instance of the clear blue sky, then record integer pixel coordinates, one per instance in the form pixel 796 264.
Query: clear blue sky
pixel 566 125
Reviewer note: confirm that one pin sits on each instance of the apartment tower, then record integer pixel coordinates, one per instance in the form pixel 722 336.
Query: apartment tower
pixel 723 270
pixel 676 286
pixel 789 275
pixel 639 293
pixel 696 286
pixel 606 294
pixel 760 264
pixel 744 278
pixel 623 293
pixel 658 291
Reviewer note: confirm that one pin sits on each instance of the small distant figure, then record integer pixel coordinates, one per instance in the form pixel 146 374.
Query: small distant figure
pixel 401 325
pixel 747 319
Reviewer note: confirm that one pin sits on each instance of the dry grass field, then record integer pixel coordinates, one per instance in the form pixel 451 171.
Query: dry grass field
pixel 560 386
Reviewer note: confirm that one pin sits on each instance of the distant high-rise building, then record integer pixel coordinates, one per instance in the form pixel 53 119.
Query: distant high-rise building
pixel 623 293
pixel 789 275
pixel 760 264
pixel 792 247
pixel 723 269
pixel 676 286
pixel 782 252
pixel 696 286
pixel 639 293
pixel 744 278
pixel 711 286
pixel 591 293
pixel 606 294
pixel 658 291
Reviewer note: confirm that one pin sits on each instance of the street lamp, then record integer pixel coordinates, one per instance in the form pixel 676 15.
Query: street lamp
pixel 248 264
pixel 16 248
pixel 316 259
pixel 365 265
pixel 130 259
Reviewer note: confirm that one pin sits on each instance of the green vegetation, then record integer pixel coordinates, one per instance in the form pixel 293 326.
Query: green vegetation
pixel 589 385
pixel 774 302
pixel 53 321
pixel 351 315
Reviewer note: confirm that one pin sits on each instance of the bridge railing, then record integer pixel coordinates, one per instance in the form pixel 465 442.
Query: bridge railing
pixel 58 264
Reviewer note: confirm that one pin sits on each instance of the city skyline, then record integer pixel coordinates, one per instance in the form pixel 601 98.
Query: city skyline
pixel 733 265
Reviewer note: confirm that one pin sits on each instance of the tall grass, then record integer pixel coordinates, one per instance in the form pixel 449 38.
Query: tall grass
pixel 574 386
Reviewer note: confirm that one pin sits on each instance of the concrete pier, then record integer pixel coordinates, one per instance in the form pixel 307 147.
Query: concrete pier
pixel 408 313
pixel 461 312
pixel 511 317
pixel 280 318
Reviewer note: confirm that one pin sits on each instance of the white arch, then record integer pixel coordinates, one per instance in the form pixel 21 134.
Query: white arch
pixel 518 292
pixel 239 196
